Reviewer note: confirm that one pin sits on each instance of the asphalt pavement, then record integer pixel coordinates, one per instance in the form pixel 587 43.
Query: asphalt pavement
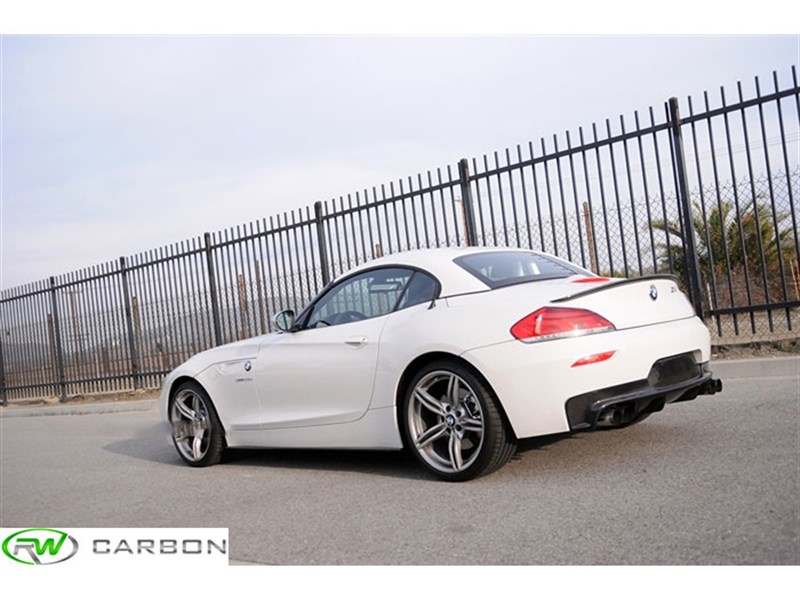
pixel 714 481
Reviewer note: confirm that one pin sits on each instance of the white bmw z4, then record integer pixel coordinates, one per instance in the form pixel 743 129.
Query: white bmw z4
pixel 453 353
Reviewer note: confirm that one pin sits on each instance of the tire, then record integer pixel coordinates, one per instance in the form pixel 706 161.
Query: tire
pixel 452 423
pixel 195 427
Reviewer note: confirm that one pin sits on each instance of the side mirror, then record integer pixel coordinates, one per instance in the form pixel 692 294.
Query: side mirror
pixel 284 320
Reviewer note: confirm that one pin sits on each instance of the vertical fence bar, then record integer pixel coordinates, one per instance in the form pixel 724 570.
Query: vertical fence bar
pixel 107 331
pixel 732 167
pixel 646 191
pixel 706 233
pixel 305 243
pixel 146 313
pixel 539 222
pixel 501 200
pixel 59 352
pixel 692 264
pixel 267 262
pixel 423 212
pixel 182 266
pixel 559 177
pixel 762 265
pixel 227 284
pixel 722 212
pixel 518 242
pixel 661 192
pixel 591 242
pixel 294 251
pixel 479 203
pixel 524 197
pixel 637 243
pixel 319 221
pixel 18 315
pixel 550 212
pixel 794 220
pixel 3 392
pixel 466 202
pixel 775 219
pixel 615 184
pixel 212 289
pixel 604 210
pixel 93 320
pixel 132 347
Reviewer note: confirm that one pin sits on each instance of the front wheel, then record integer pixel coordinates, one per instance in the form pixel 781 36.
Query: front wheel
pixel 196 431
pixel 453 425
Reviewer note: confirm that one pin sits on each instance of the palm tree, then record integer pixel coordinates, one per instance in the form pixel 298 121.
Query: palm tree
pixel 726 240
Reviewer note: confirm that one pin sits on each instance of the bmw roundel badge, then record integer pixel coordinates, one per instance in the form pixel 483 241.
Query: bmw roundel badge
pixel 653 293
pixel 248 365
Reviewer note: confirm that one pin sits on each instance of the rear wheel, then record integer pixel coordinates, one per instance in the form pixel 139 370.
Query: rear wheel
pixel 452 423
pixel 196 431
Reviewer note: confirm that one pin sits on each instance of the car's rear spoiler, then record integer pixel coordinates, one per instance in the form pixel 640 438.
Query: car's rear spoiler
pixel 613 284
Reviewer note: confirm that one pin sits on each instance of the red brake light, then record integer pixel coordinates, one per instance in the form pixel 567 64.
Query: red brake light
pixel 591 280
pixel 553 322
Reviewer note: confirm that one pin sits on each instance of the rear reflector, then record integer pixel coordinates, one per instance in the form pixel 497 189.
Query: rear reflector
pixel 594 358
pixel 591 280
pixel 553 322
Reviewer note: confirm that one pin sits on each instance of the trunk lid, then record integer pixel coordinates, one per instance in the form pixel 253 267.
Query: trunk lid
pixel 629 303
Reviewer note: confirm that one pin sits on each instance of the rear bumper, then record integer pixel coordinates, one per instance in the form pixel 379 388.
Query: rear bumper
pixel 534 381
pixel 672 379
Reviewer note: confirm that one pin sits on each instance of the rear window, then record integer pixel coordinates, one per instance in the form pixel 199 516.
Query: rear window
pixel 498 269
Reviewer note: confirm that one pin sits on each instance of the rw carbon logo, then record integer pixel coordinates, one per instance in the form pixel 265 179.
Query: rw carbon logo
pixel 40 546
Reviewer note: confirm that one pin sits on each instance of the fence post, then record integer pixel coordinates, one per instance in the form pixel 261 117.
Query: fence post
pixel 466 202
pixel 212 290
pixel 59 351
pixel 132 348
pixel 323 250
pixel 590 238
pixel 684 204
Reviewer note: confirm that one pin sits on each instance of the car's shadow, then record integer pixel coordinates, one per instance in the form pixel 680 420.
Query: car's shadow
pixel 385 463
pixel 153 444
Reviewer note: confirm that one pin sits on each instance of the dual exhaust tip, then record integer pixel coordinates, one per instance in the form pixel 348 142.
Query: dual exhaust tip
pixel 611 417
pixel 626 413
pixel 711 387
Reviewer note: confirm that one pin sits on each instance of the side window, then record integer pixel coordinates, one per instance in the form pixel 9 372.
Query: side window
pixel 421 288
pixel 364 296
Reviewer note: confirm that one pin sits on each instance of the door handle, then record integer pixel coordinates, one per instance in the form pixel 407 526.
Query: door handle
pixel 356 342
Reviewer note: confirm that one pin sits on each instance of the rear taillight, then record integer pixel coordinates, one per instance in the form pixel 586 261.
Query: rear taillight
pixel 553 322
pixel 591 280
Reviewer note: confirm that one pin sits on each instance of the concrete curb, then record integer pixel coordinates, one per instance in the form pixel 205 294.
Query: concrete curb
pixel 93 408
pixel 748 368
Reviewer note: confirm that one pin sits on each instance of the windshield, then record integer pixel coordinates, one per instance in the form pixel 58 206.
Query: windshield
pixel 501 268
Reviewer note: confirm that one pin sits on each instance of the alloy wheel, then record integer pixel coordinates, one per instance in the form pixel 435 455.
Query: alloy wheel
pixel 445 422
pixel 191 425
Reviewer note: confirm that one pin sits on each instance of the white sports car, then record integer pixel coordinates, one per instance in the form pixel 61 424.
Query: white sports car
pixel 452 353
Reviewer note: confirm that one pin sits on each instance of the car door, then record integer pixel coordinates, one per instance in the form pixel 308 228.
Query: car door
pixel 323 373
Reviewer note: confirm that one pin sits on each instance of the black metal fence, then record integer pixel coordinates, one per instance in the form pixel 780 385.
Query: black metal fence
pixel 709 194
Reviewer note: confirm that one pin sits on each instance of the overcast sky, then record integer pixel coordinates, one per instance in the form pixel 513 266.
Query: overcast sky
pixel 115 145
